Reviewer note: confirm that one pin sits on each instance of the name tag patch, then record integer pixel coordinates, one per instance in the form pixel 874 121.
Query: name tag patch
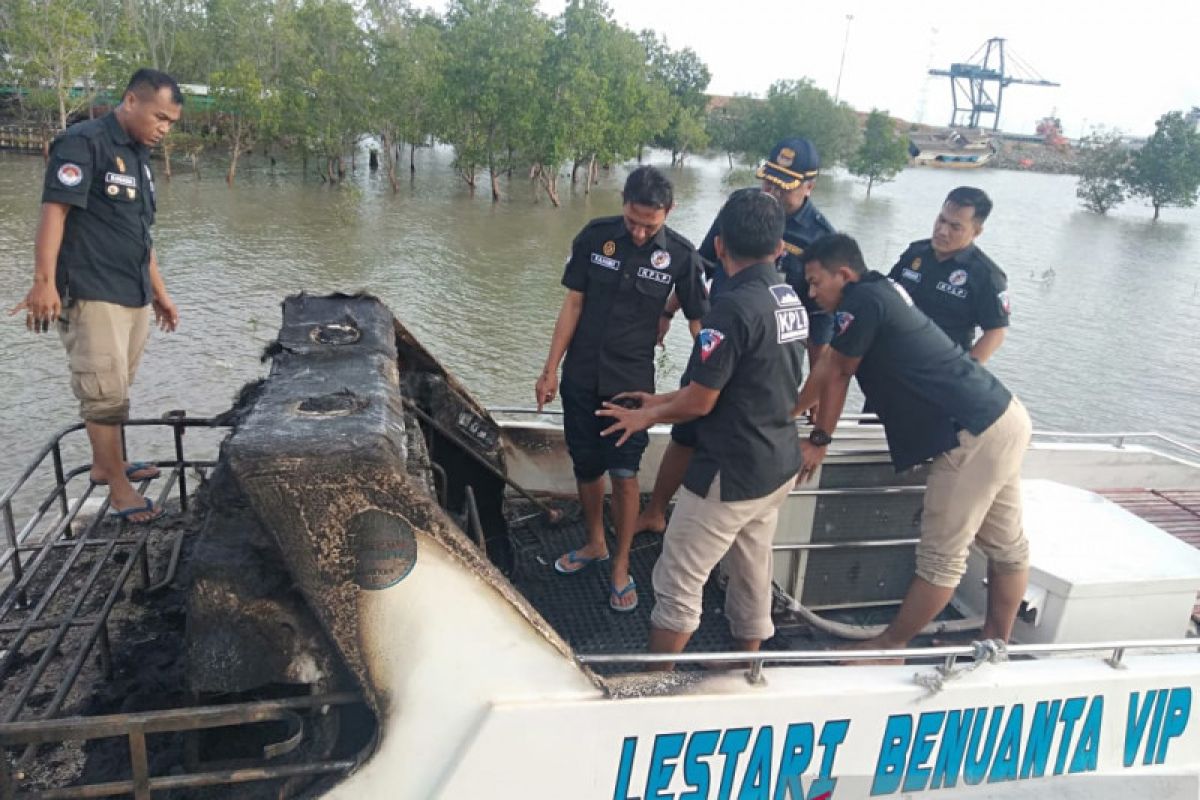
pixel 654 275
pixel 785 295
pixel 956 291
pixel 791 324
pixel 128 181
pixel 605 261
pixel 910 275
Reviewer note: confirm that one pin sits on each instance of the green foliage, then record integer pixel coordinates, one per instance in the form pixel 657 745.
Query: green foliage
pixel 1103 165
pixel 247 111
pixel 1166 171
pixel 882 153
pixel 729 126
pixel 799 108
pixel 51 49
pixel 685 77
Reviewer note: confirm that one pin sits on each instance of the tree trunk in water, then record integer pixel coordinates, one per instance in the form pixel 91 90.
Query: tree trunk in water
pixel 729 155
pixel 412 157
pixel 1156 207
pixel 167 159
pixel 549 181
pixel 195 156
pixel 493 176
pixel 870 183
pixel 574 171
pixel 341 169
pixel 233 160
pixel 591 176
pixel 62 113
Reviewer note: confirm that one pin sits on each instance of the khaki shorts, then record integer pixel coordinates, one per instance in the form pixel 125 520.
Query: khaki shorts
pixel 702 532
pixel 104 343
pixel 974 494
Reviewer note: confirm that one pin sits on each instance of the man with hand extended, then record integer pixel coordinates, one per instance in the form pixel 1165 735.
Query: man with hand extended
pixel 96 273
pixel 936 403
pixel 745 367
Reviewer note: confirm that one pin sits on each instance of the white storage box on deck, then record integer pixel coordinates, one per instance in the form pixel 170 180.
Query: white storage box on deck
pixel 1097 573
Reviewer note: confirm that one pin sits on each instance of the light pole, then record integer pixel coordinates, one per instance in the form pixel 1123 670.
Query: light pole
pixel 837 92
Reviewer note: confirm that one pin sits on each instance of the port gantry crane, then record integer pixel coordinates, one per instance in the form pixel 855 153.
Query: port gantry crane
pixel 970 83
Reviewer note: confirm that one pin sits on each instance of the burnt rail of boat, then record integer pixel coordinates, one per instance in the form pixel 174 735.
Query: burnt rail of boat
pixel 29 563
pixel 949 655
pixel 136 727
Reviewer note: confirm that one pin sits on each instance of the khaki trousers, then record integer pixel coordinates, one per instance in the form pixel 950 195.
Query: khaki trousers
pixel 974 494
pixel 702 532
pixel 104 343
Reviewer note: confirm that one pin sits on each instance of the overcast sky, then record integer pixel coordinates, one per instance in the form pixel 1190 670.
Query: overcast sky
pixel 1120 65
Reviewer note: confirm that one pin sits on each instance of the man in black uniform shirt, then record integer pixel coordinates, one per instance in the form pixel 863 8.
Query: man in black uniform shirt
pixel 788 175
pixel 935 403
pixel 96 272
pixel 618 278
pixel 744 368
pixel 952 281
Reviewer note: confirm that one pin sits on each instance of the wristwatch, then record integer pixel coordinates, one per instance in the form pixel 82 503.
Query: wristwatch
pixel 819 438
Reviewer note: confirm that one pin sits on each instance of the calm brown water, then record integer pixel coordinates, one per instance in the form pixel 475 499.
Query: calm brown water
pixel 1110 345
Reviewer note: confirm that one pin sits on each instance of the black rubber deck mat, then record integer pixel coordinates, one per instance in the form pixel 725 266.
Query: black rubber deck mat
pixel 577 605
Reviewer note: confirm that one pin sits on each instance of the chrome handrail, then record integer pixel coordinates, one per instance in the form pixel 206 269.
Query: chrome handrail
pixel 1118 649
pixel 1117 438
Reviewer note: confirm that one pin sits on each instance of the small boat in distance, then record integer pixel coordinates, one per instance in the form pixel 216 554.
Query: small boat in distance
pixel 953 148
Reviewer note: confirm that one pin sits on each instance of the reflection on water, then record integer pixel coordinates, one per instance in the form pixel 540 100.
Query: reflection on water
pixel 1106 346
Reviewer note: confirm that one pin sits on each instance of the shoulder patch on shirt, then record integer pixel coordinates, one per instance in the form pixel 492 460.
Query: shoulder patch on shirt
pixel 609 248
pixel 916 264
pixel 1005 303
pixel 69 174
pixel 710 340
pixel 842 320
pixel 605 261
pixel 791 324
pixel 785 295
pixel 661 259
pixel 958 277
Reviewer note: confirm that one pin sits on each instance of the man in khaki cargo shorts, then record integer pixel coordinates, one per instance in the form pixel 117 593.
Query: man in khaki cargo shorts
pixel 935 402
pixel 96 272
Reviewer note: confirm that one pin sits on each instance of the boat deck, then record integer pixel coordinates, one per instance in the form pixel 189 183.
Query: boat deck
pixel 576 606
pixel 1176 512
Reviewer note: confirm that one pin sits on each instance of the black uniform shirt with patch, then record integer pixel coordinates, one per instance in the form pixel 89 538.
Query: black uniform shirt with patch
pixel 98 170
pixel 802 229
pixel 625 289
pixel 961 293
pixel 751 349
pixel 923 386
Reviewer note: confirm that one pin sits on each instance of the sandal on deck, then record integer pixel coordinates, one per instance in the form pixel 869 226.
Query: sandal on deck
pixel 575 562
pixel 615 595
pixel 126 514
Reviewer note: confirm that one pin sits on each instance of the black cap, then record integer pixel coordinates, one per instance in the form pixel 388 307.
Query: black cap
pixel 792 161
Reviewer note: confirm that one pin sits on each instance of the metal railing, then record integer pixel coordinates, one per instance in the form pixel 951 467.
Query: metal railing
pixel 62 572
pixel 948 655
pixel 1117 439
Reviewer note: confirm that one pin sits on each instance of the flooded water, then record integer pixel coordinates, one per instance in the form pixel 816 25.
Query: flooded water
pixel 1109 345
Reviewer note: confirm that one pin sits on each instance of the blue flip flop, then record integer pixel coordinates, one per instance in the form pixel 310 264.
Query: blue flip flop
pixel 136 466
pixel 615 594
pixel 127 513
pixel 573 558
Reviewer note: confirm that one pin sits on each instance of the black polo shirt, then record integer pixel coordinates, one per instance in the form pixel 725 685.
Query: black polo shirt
pixel 105 177
pixel 961 293
pixel 625 290
pixel 802 229
pixel 924 387
pixel 751 349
